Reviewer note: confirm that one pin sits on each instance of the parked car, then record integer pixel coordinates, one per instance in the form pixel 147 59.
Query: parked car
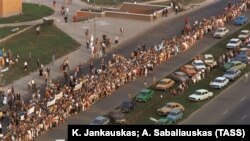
pixel 244 34
pixel 163 121
pixel 200 94
pixel 117 116
pixel 240 20
pixel 165 84
pixel 100 120
pixel 242 57
pixel 179 76
pixel 248 46
pixel 221 32
pixel 209 60
pixel 144 95
pixel 175 115
pixel 234 64
pixel 199 65
pixel 245 50
pixel 234 43
pixel 168 107
pixel 219 82
pixel 232 73
pixel 189 70
pixel 127 106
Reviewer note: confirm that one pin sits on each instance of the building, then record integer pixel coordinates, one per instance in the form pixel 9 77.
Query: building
pixel 10 7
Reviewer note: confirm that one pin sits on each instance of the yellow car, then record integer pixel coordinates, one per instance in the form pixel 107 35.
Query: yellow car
pixel 164 84
pixel 169 107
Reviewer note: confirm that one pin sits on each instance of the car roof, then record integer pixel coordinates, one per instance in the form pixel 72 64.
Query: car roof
pixel 198 61
pixel 234 39
pixel 208 55
pixel 166 79
pixel 221 28
pixel 242 16
pixel 233 69
pixel 220 78
pixel 234 62
pixel 201 90
pixel 145 90
pixel 173 103
pixel 188 66
pixel 179 73
pixel 100 118
pixel 245 31
pixel 175 110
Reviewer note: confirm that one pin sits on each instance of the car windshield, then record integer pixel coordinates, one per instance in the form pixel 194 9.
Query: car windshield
pixel 143 93
pixel 125 103
pixel 219 30
pixel 244 33
pixel 173 113
pixel 163 82
pixel 97 121
pixel 230 72
pixel 232 41
pixel 218 80
pixel 210 58
pixel 198 64
pixel 198 93
pixel 169 105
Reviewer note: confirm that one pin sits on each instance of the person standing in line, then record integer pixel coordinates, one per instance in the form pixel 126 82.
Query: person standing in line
pixel 53 58
pixel 25 66
pixel 245 77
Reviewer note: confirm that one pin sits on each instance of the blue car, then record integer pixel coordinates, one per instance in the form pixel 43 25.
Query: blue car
pixel 240 20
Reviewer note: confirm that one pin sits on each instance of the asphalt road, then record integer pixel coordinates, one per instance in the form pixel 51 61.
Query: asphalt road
pixel 230 107
pixel 166 29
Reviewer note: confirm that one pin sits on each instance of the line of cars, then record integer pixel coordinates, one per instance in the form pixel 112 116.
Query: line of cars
pixel 173 111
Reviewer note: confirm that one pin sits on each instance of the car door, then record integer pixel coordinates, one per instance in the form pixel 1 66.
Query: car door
pixel 204 95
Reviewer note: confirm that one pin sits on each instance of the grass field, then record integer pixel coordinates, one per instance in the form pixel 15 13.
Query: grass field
pixel 144 111
pixel 51 40
pixel 6 31
pixel 30 12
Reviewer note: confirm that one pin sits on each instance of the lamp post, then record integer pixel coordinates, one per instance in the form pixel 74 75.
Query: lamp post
pixel 98 51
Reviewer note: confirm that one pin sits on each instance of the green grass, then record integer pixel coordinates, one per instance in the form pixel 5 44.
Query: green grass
pixel 51 40
pixel 112 2
pixel 144 111
pixel 6 31
pixel 30 12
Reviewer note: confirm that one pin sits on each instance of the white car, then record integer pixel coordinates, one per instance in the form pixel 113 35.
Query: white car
pixel 209 60
pixel 199 65
pixel 231 74
pixel 234 43
pixel 221 32
pixel 219 82
pixel 244 34
pixel 200 94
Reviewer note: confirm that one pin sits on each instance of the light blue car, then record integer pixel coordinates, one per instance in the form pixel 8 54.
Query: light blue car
pixel 100 120
pixel 240 20
pixel 175 115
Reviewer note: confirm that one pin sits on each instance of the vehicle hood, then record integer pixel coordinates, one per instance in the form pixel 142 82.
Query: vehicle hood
pixel 194 96
pixel 226 66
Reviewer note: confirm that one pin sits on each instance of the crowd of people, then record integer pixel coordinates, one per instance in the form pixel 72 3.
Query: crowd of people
pixel 29 120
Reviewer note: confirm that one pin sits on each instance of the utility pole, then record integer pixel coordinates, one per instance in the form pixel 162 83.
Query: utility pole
pixel 98 50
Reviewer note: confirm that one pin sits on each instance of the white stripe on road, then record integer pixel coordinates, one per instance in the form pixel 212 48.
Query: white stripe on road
pixel 243 117
pixel 224 112
pixel 242 98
